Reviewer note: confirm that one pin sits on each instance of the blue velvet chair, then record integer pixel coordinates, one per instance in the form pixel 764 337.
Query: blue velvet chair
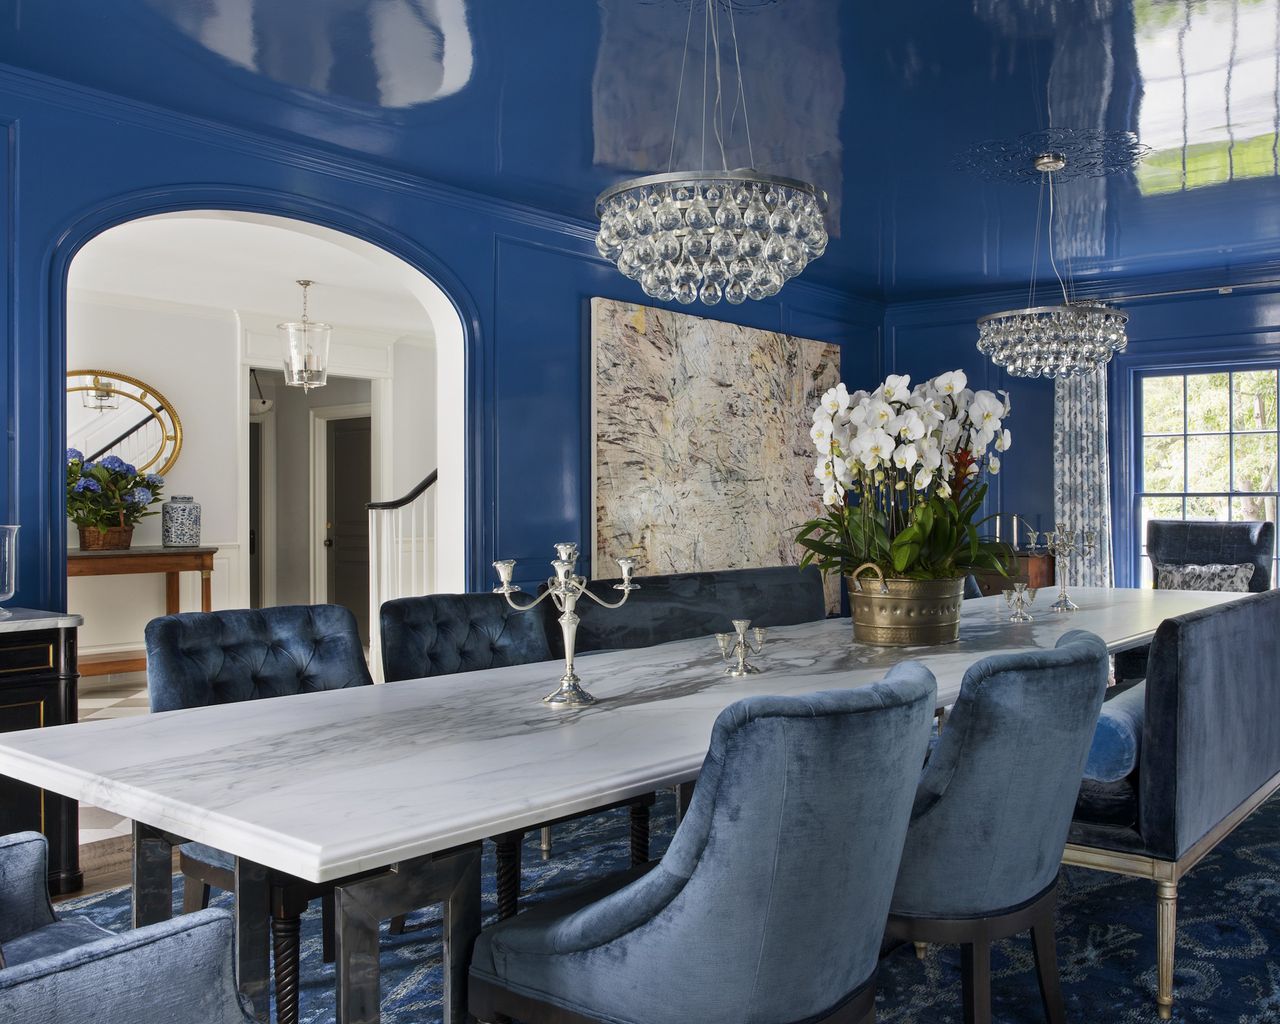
pixel 1180 760
pixel 202 658
pixel 68 970
pixel 443 634
pixel 991 816
pixel 769 906
pixel 684 605
pixel 1174 542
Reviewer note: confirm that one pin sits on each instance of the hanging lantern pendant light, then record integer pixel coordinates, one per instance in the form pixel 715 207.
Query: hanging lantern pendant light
pixel 712 234
pixel 1052 341
pixel 306 348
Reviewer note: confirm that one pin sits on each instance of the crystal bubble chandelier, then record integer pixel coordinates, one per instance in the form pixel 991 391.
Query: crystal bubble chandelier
pixel 712 234
pixel 1069 340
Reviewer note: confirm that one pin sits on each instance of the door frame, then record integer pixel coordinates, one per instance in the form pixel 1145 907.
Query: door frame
pixel 320 419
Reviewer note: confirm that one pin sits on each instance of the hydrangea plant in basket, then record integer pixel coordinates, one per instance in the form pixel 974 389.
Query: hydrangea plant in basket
pixel 107 498
pixel 902 475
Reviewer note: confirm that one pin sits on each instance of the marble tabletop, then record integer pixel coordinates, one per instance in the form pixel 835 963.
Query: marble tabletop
pixel 324 785
pixel 20 620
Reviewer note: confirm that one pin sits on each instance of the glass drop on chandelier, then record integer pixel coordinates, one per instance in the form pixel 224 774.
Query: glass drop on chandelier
pixel 1053 341
pixel 711 235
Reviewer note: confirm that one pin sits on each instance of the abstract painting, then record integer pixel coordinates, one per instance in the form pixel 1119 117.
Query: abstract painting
pixel 702 456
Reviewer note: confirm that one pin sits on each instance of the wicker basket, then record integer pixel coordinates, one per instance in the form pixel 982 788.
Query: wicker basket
pixel 110 538
pixel 904 613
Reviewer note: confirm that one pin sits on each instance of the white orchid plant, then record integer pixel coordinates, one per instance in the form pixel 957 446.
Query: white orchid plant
pixel 901 474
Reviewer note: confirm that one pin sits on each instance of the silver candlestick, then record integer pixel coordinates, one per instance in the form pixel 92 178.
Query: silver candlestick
pixel 1064 543
pixel 565 588
pixel 734 648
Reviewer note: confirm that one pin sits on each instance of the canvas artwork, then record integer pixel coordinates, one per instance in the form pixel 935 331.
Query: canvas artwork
pixel 702 453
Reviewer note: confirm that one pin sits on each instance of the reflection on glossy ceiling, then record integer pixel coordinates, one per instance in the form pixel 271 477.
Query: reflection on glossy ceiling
pixel 548 102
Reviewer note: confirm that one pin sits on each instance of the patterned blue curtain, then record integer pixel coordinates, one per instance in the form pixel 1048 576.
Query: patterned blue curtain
pixel 1082 470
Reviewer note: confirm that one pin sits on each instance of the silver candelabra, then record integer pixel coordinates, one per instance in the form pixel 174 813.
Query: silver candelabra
pixel 565 588
pixel 736 646
pixel 1064 543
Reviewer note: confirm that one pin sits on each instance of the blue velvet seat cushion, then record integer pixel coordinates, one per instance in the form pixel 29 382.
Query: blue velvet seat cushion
pixel 209 855
pixel 1117 738
pixel 58 937
pixel 1107 803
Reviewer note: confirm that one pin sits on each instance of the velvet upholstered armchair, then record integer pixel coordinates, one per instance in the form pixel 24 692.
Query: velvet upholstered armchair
pixel 770 903
pixel 68 970
pixel 994 805
pixel 1183 758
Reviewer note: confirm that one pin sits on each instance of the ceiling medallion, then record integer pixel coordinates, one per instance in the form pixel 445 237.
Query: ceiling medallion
pixel 1084 153
pixel 1069 340
pixel 712 234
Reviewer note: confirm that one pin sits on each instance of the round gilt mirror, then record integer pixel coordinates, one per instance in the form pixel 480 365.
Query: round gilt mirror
pixel 110 413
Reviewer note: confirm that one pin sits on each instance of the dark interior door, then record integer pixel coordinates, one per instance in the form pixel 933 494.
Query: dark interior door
pixel 350 466
pixel 255 515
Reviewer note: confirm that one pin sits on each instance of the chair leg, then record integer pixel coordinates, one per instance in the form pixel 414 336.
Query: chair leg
pixel 1044 946
pixel 975 972
pixel 639 834
pixel 396 927
pixel 326 928
pixel 508 872
pixel 922 949
pixel 544 842
pixel 195 895
pixel 1166 939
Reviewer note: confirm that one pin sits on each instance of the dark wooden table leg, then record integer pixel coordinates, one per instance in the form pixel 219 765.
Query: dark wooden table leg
pixel 172 598
pixel 509 849
pixel 639 834
pixel 152 876
pixel 253 918
pixel 450 878
pixel 286 946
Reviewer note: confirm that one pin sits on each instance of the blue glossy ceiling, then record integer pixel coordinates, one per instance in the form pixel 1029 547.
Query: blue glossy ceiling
pixel 546 102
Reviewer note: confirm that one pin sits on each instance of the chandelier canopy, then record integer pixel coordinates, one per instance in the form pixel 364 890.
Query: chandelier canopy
pixel 712 234
pixel 1069 340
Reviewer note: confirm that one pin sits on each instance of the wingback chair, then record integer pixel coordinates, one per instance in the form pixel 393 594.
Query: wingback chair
pixel 69 969
pixel 991 815
pixel 1183 758
pixel 202 658
pixel 443 634
pixel 770 903
pixel 1174 542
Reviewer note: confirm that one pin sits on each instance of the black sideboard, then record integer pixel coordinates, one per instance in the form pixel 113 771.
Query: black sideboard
pixel 38 689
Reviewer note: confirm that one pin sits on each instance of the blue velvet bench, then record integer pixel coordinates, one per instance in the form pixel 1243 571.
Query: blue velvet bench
pixel 1180 760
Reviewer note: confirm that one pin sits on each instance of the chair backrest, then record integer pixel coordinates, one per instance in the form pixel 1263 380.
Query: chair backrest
pixel 995 801
pixel 1210 731
pixel 445 633
pixel 688 604
pixel 201 658
pixel 778 879
pixel 1174 542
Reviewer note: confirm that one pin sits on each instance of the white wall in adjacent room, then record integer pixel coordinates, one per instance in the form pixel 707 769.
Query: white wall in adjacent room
pixel 413 404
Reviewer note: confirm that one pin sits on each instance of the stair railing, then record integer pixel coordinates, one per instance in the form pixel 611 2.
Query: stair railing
pixel 402 555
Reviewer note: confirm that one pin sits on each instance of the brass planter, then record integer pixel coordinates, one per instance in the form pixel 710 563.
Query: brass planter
pixel 108 538
pixel 904 613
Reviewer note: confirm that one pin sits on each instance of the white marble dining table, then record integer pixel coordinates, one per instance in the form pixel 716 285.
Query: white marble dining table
pixel 386 780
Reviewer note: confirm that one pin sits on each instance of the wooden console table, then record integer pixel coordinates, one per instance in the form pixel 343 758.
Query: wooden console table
pixel 170 561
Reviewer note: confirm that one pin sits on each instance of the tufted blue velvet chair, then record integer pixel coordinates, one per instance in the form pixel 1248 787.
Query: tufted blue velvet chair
pixel 69 970
pixel 202 658
pixel 1182 759
pixel 446 633
pixel 768 907
pixel 684 605
pixel 991 816
pixel 443 634
pixel 1174 542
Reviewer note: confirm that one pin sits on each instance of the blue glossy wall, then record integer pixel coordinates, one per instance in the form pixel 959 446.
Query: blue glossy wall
pixel 74 162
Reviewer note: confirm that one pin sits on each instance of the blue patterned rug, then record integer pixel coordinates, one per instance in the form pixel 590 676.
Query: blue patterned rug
pixel 1228 967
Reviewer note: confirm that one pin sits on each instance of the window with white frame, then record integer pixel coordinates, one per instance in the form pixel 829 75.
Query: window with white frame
pixel 1207 448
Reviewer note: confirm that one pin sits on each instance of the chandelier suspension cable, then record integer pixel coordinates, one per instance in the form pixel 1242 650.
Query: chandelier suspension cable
pixel 717 116
pixel 1035 250
pixel 742 92
pixel 684 59
pixel 706 37
pixel 1066 299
